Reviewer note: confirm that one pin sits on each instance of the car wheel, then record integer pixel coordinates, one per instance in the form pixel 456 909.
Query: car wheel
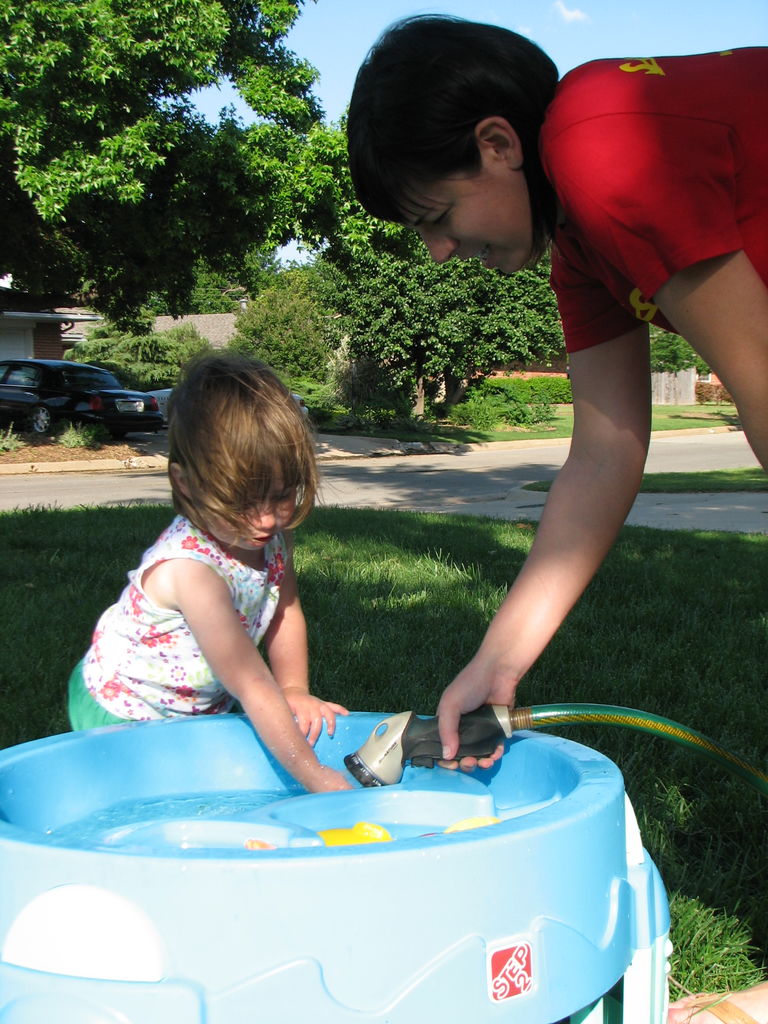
pixel 40 420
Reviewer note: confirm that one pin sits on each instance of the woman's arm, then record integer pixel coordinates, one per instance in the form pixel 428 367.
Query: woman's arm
pixel 585 509
pixel 286 645
pixel 721 307
pixel 202 597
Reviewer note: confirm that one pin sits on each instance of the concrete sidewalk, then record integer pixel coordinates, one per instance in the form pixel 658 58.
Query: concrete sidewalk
pixel 741 512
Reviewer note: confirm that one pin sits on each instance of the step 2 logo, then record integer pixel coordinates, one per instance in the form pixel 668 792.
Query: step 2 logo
pixel 510 969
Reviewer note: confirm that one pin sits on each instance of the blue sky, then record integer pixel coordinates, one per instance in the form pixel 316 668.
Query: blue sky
pixel 334 35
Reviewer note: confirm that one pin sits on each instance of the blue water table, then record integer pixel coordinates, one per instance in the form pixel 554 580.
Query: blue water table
pixel 172 873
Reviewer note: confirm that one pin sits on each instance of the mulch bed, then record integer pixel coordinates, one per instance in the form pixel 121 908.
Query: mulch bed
pixel 45 449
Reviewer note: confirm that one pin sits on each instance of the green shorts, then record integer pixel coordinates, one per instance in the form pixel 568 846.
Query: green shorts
pixel 84 711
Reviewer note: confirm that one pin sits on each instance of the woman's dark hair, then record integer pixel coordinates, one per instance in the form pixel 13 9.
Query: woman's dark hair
pixel 424 86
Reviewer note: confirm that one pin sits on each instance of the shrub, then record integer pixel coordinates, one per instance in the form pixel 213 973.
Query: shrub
pixel 547 389
pixel 286 326
pixel 381 415
pixel 717 393
pixel 556 390
pixel 10 440
pixel 356 381
pixel 410 424
pixel 510 400
pixel 368 418
pixel 145 361
pixel 319 398
pixel 82 435
pixel 480 411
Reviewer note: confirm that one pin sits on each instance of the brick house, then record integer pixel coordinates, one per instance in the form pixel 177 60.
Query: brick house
pixel 28 331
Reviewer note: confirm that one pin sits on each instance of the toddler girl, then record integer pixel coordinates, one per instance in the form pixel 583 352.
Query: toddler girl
pixel 182 638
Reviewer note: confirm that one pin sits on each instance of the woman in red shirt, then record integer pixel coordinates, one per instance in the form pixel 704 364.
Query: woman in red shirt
pixel 649 179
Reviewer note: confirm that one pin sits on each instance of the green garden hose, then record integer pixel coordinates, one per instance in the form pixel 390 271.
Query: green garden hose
pixel 541 715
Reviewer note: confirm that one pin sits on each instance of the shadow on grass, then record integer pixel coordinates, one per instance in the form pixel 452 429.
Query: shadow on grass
pixel 723 418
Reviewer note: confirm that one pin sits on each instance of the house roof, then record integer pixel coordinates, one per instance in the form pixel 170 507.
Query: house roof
pixel 18 305
pixel 218 328
pixel 62 316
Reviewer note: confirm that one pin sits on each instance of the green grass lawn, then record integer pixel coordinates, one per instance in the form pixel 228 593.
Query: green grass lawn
pixel 665 417
pixel 674 623
pixel 713 481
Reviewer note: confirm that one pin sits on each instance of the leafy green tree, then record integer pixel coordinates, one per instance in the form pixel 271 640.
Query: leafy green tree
pixel 670 353
pixel 214 292
pixel 111 186
pixel 328 217
pixel 258 270
pixel 426 322
pixel 143 361
pixel 286 326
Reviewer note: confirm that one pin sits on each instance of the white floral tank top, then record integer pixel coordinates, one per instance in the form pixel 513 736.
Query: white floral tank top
pixel 144 663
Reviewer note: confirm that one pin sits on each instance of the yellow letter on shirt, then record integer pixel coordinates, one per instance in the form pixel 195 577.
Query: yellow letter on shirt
pixel 644 310
pixel 649 65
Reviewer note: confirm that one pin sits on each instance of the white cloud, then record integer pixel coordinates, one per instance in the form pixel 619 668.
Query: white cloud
pixel 569 15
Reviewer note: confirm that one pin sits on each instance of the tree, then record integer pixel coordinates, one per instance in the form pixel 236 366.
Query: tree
pixel 286 326
pixel 143 361
pixel 448 322
pixel 111 186
pixel 670 353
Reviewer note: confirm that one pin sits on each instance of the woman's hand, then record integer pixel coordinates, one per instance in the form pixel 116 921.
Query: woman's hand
pixel 310 712
pixel 485 680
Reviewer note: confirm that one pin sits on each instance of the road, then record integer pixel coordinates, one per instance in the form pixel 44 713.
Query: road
pixel 481 482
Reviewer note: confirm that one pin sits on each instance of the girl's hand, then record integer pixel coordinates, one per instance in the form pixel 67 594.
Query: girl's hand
pixel 310 713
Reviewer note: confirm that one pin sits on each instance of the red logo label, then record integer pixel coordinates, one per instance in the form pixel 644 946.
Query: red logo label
pixel 510 971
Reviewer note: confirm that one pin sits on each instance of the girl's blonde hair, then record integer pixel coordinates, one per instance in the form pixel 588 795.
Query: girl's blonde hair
pixel 237 433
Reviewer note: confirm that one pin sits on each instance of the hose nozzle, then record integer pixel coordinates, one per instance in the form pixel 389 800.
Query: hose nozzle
pixel 408 737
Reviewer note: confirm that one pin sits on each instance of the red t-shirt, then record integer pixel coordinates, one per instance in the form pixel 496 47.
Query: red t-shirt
pixel 658 164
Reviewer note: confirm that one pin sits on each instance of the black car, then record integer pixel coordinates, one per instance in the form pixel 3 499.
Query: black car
pixel 38 392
